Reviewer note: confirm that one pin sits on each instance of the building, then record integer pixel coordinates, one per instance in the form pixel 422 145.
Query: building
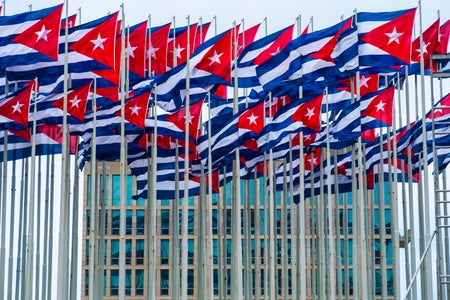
pixel 285 214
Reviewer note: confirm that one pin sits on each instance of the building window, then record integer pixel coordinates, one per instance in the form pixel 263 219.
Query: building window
pixel 128 282
pixel 86 282
pixel 261 221
pixel 88 222
pixel 101 189
pixel 139 282
pixel 129 222
pixel 215 251
pixel 115 190
pixel 114 283
pixel 140 252
pixel 87 251
pixel 165 221
pixel 115 222
pixel 214 224
pixel 140 222
pixel 191 252
pixel 128 251
pixel 228 228
pixel 190 288
pixel 164 283
pixel 164 252
pixel 191 221
pixel 114 252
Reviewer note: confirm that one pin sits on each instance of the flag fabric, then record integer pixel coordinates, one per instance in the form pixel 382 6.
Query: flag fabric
pixel 157 48
pixel 259 52
pixel 30 37
pixel 136 49
pixel 14 109
pixel 385 38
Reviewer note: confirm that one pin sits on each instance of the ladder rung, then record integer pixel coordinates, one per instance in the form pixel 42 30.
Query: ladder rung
pixel 443 147
pixel 441 122
pixel 441 133
pixel 443 226
pixel 443 217
pixel 445 282
pixel 444 276
pixel 441 107
pixel 443 202
pixel 442 191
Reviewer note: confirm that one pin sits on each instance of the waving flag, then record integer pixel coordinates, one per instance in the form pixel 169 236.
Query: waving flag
pixel 136 49
pixel 259 52
pixel 177 46
pixel 378 107
pixel 385 38
pixel 30 37
pixel 209 65
pixel 157 48
pixel 14 109
pixel 443 38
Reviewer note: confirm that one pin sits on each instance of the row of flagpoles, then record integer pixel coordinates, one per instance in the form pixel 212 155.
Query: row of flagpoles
pixel 158 85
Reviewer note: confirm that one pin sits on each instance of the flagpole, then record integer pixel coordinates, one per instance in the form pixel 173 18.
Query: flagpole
pixel 123 165
pixel 331 216
pixel 30 261
pixel 321 207
pixel 3 188
pixel 21 258
pixel 209 247
pixel 427 292
pixel 38 231
pixel 284 215
pixel 184 228
pixel 257 203
pixel 52 201
pixel 236 262
pixel 11 230
pixel 382 219
pixel 151 211
pixel 93 199
pixel 63 249
pixel 176 231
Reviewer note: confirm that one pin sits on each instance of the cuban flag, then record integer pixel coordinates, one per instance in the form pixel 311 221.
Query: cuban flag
pixel 385 38
pixel 30 37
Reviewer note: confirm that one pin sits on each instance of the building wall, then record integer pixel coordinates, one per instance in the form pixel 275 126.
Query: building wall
pixel 285 214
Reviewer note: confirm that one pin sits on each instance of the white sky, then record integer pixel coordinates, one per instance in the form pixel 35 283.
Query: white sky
pixel 279 14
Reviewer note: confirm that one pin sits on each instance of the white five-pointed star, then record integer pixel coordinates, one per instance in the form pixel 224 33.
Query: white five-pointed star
pixel 190 118
pixel 130 51
pixel 363 81
pixel 151 52
pixel 215 58
pixel 252 119
pixel 17 107
pixel 424 46
pixel 380 105
pixel 310 113
pixel 394 35
pixel 275 52
pixel 75 101
pixel 98 43
pixel 314 160
pixel 135 110
pixel 177 51
pixel 42 35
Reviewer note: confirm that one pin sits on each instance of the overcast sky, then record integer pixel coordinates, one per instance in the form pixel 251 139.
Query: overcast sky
pixel 279 14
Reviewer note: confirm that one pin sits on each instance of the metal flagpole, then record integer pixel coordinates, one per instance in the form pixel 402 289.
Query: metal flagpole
pixel 321 207
pixel 38 231
pixel 331 216
pixel 427 292
pixel 404 203
pixel 29 271
pixel 257 203
pixel 176 231
pixel 221 207
pixel 63 248
pixel 361 204
pixel 209 221
pixel 382 221
pixel 45 271
pixel 52 201
pixel 21 257
pixel 337 225
pixel 284 215
pixel 75 237
pixel 236 261
pixel 123 166
pixel 185 221
pixel 272 222
pixel 94 207
pixel 9 292
pixel 151 212
pixel 3 185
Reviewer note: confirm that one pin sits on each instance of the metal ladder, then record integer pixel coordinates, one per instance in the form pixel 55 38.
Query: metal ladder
pixel 442 195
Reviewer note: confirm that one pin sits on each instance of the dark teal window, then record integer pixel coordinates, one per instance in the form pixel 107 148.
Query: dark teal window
pixel 140 222
pixel 164 283
pixel 114 283
pixel 139 282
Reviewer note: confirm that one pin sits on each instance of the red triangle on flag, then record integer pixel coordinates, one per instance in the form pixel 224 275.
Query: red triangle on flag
pixel 136 110
pixel 17 107
pixel 43 35
pixel 217 60
pixel 157 49
pixel 253 118
pixel 99 42
pixel 76 102
pixel 55 133
pixel 439 112
pixel 394 37
pixel 309 113
pixel 380 107
pixel 23 134
pixel 430 41
pixel 246 38
pixel 135 49
pixel 277 45
pixel 178 118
